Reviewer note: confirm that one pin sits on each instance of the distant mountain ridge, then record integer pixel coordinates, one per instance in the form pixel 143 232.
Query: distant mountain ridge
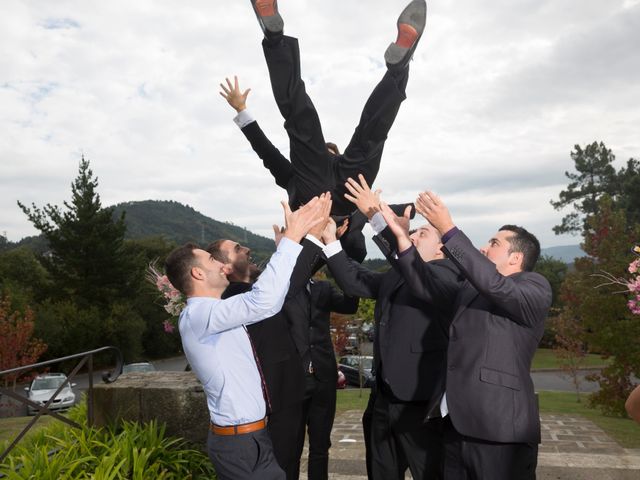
pixel 181 223
pixel 566 253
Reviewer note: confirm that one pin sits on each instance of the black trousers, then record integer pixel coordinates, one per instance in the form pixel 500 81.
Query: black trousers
pixel 243 457
pixel 315 170
pixel 401 438
pixel 318 411
pixel 284 427
pixel 467 458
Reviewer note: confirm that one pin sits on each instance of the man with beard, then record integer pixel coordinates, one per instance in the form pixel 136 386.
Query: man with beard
pixel 296 353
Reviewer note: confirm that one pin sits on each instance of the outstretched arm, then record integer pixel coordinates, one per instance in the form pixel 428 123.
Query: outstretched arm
pixel 273 160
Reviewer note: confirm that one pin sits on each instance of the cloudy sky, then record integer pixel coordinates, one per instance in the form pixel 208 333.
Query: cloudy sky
pixel 500 92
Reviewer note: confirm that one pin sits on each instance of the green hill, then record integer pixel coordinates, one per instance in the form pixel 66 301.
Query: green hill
pixel 181 223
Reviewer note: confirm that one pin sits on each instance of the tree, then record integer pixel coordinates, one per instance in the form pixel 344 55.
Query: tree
pixel 87 258
pixel 18 347
pixel 96 279
pixel 609 326
pixel 595 177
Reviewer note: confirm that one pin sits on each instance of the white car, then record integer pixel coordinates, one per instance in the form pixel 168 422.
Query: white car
pixel 44 386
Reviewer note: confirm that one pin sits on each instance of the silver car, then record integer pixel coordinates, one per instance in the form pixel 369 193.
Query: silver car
pixel 44 386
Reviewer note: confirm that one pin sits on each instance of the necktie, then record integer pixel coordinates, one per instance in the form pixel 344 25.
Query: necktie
pixel 265 391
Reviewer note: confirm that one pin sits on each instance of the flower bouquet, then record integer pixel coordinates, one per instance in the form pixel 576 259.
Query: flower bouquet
pixel 174 301
pixel 632 284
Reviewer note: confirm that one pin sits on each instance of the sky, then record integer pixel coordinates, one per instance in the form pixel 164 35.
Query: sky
pixel 499 93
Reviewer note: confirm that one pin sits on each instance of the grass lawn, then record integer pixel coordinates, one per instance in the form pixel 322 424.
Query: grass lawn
pixel 545 358
pixel 11 427
pixel 625 431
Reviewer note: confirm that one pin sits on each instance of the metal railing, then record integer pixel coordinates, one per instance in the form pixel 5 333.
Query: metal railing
pixel 86 358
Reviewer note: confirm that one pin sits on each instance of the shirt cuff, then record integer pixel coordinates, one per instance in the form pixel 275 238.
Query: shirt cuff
pixel 287 245
pixel 378 223
pixel 331 249
pixel 449 235
pixel 314 240
pixel 404 252
pixel 243 118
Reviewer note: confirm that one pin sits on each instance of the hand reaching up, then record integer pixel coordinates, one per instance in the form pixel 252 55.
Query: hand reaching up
pixel 300 222
pixel 325 211
pixel 399 226
pixel 433 209
pixel 361 196
pixel 233 95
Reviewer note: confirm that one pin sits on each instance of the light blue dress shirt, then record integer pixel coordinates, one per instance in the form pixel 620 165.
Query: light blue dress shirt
pixel 218 347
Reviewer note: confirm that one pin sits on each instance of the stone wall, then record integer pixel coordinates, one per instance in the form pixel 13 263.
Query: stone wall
pixel 174 398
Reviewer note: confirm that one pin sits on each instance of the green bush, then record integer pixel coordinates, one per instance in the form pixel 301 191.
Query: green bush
pixel 131 452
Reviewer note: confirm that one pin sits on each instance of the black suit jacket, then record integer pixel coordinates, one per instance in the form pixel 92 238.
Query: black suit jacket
pixel 279 359
pixel 496 328
pixel 282 171
pixel 308 315
pixel 411 335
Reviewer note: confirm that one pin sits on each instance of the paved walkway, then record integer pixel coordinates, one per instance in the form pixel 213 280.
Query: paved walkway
pixel 573 448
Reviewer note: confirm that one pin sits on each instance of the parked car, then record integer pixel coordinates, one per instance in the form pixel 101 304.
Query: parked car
pixel 352 365
pixel 138 367
pixel 44 386
pixel 342 380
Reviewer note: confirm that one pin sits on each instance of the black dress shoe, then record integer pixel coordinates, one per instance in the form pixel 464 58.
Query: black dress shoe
pixel 268 17
pixel 411 24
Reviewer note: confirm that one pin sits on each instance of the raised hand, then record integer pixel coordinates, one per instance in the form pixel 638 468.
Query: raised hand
pixel 360 194
pixel 399 226
pixel 278 233
pixel 433 209
pixel 233 95
pixel 298 223
pixel 329 232
pixel 325 211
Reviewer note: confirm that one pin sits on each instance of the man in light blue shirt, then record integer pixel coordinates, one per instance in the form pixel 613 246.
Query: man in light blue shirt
pixel 218 348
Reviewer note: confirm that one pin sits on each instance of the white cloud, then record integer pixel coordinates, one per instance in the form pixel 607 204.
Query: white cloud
pixel 499 93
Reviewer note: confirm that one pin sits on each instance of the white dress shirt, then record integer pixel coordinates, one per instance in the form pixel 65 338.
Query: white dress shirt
pixel 217 345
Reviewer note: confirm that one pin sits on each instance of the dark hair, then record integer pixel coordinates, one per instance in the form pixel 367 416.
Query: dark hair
pixel 523 242
pixel 178 267
pixel 216 251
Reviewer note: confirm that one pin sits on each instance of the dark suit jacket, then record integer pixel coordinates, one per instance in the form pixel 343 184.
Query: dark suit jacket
pixel 308 315
pixel 496 328
pixel 282 171
pixel 279 359
pixel 411 335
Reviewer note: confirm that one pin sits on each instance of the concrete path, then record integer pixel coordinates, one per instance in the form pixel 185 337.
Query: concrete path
pixel 573 448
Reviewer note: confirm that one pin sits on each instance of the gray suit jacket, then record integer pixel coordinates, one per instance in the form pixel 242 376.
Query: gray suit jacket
pixel 495 330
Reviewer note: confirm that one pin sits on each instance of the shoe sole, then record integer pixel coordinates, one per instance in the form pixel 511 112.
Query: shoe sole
pixel 268 16
pixel 411 21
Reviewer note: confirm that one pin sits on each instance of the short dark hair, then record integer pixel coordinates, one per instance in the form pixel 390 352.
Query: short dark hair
pixel 215 249
pixel 178 267
pixel 523 242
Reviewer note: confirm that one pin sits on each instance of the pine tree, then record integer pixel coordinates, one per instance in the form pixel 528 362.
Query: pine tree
pixel 87 258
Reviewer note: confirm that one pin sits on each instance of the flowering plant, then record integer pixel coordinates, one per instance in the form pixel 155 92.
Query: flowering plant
pixel 174 300
pixel 632 285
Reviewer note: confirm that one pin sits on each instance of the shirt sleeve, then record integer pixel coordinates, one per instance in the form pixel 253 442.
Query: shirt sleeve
pixel 264 300
pixel 378 223
pixel 332 249
pixel 243 118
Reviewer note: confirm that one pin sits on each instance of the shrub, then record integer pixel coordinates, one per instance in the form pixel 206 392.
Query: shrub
pixel 132 451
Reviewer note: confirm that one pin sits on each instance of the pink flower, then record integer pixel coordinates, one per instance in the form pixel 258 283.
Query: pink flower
pixel 168 326
pixel 634 285
pixel 634 266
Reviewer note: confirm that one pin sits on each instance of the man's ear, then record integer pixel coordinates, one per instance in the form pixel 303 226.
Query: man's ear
pixel 516 259
pixel 197 273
